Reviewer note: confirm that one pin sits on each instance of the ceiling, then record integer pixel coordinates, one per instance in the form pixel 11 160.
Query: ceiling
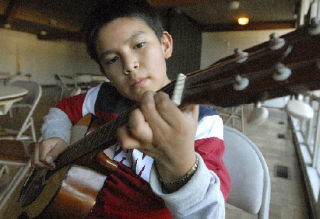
pixel 62 19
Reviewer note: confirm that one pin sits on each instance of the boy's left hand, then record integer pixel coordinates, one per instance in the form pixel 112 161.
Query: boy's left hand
pixel 163 131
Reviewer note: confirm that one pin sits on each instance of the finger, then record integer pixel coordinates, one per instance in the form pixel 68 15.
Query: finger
pixel 54 153
pixel 44 148
pixel 167 109
pixel 126 141
pixel 35 162
pixel 139 128
pixel 150 112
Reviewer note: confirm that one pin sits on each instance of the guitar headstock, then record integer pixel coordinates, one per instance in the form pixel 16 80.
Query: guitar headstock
pixel 284 65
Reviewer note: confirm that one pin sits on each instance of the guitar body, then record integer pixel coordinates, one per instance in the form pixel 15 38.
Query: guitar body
pixel 70 192
pixel 76 195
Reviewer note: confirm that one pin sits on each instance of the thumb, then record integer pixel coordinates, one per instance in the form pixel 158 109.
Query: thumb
pixel 55 152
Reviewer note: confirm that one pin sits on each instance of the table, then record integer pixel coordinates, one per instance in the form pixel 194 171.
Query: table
pixel 88 78
pixel 10 95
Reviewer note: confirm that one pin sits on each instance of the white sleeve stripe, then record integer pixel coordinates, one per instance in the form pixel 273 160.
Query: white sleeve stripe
pixel 90 100
pixel 210 126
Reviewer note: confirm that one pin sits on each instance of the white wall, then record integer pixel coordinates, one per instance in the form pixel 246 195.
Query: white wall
pixel 42 59
pixel 216 45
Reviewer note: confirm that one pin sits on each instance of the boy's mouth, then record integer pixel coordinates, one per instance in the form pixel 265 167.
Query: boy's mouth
pixel 138 83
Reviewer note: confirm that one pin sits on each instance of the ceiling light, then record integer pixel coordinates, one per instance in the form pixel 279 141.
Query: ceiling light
pixel 43 33
pixel 8 26
pixel 243 20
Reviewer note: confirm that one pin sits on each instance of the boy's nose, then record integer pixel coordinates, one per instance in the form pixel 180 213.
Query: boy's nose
pixel 130 66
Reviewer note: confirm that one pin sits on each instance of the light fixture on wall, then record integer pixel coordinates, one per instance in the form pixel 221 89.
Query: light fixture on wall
pixel 243 20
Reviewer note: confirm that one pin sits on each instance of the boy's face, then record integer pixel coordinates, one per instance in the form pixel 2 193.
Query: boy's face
pixel 132 57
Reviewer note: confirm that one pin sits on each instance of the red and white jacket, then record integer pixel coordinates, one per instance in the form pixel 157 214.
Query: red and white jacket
pixel 204 195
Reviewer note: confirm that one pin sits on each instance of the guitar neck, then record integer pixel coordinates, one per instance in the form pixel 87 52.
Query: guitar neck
pixel 215 85
pixel 95 141
pixel 301 54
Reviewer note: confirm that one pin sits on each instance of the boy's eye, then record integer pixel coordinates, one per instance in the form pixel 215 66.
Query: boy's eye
pixel 113 60
pixel 140 45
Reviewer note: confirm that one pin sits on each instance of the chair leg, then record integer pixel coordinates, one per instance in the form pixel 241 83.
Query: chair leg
pixel 33 131
pixel 5 195
pixel 10 113
pixel 4 169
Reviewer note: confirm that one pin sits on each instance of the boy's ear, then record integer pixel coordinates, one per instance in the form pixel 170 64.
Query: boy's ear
pixel 167 44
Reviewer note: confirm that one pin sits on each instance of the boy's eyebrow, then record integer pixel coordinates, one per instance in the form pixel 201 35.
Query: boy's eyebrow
pixel 132 36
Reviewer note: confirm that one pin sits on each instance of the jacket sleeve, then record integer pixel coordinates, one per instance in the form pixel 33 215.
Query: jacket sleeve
pixel 205 193
pixel 73 107
pixel 201 197
pixel 68 112
pixel 60 119
pixel 56 124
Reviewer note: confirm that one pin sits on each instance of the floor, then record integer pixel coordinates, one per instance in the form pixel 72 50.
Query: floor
pixel 288 196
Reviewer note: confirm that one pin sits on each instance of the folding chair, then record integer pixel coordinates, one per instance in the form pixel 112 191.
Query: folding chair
pixel 67 83
pixel 249 174
pixel 30 101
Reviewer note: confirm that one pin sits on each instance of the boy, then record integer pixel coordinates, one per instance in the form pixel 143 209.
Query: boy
pixel 179 153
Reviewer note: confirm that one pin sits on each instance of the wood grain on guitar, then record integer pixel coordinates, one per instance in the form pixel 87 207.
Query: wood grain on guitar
pixel 280 67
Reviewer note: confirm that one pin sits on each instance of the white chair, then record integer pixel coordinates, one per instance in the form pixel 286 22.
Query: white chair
pixel 67 83
pixel 30 101
pixel 250 190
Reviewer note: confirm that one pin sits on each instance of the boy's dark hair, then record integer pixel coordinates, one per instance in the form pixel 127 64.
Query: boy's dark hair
pixel 107 11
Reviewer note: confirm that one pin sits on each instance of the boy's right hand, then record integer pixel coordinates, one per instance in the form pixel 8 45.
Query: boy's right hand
pixel 47 151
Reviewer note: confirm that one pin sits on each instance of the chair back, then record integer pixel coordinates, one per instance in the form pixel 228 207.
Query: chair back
pixel 249 174
pixel 31 100
pixel 34 91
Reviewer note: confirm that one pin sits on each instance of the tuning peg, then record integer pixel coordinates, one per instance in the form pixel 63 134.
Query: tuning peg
pixel 299 109
pixel 241 83
pixel 314 28
pixel 276 42
pixel 281 72
pixel 258 115
pixel 240 55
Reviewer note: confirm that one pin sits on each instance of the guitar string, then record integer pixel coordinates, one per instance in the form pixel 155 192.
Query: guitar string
pixel 169 88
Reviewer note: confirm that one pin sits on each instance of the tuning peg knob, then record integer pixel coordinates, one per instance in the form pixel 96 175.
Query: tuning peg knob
pixel 241 83
pixel 314 28
pixel 281 72
pixel 276 42
pixel 240 55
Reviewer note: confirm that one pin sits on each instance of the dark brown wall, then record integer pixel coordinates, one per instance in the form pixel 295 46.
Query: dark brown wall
pixel 186 43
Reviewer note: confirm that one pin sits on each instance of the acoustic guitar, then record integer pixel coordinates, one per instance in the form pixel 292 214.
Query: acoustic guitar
pixel 282 66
